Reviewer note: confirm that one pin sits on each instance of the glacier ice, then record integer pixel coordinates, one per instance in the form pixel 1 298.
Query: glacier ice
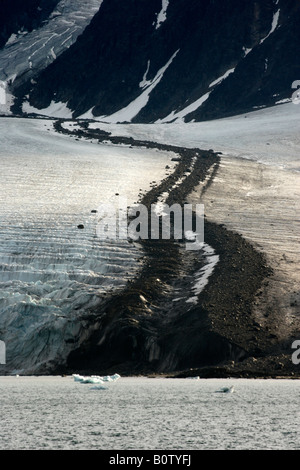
pixel 27 53
pixel 50 40
pixel 51 273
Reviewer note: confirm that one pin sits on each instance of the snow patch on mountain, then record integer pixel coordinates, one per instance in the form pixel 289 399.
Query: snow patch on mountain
pixel 246 50
pixel 144 83
pixel 13 38
pixel 130 111
pixel 59 110
pixel 275 22
pixel 223 77
pixel 162 15
pixel 180 115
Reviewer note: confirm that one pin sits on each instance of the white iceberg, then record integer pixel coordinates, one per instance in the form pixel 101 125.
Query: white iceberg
pixel 111 378
pixel 95 379
pixel 91 380
pixel 77 377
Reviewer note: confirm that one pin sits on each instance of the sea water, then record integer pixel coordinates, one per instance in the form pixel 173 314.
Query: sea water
pixel 149 414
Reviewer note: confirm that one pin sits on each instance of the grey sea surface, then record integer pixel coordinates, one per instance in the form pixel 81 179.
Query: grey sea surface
pixel 57 413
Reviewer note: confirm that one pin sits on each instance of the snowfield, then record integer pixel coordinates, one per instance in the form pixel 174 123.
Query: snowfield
pixel 270 136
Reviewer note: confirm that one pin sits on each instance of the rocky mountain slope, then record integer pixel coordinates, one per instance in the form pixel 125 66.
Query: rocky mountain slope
pixel 141 61
pixel 33 33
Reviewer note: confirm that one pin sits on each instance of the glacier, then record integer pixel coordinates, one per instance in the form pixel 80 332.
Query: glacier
pixel 50 272
pixel 27 53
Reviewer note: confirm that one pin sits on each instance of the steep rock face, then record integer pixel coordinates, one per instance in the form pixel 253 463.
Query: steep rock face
pixel 141 61
pixel 34 34
pixel 266 74
pixel 106 62
pixel 22 15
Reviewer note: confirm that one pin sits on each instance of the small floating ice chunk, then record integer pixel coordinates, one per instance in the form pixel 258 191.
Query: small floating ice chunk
pixel 95 379
pixel 91 380
pixel 226 389
pixel 77 377
pixel 87 380
pixel 116 377
pixel 111 378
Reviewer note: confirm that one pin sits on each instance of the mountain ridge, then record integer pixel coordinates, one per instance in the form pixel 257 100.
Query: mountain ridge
pixel 158 61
